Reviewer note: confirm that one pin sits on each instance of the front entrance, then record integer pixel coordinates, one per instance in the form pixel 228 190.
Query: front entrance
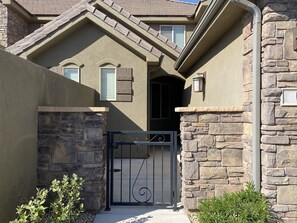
pixel 165 95
pixel 142 168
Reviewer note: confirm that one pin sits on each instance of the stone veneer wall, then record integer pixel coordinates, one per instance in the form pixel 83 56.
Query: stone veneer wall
pixel 279 124
pixel 3 25
pixel 247 95
pixel 211 153
pixel 12 27
pixel 73 142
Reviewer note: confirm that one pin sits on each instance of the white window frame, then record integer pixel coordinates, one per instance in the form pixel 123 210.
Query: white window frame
pixel 115 86
pixel 172 33
pixel 72 66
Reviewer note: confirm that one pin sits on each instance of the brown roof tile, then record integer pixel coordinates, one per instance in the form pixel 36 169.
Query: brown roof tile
pixel 135 7
pixel 43 32
pixel 157 7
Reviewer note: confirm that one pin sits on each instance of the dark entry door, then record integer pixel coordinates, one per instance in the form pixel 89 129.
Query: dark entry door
pixel 142 168
pixel 165 95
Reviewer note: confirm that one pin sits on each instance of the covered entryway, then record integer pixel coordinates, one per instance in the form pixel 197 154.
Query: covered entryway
pixel 165 95
pixel 142 168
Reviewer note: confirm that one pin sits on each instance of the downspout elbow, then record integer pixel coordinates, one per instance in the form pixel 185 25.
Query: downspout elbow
pixel 249 6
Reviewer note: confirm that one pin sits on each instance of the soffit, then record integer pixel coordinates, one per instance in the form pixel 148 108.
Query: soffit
pixel 223 21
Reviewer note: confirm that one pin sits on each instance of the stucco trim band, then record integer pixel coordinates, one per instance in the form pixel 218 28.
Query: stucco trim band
pixel 72 109
pixel 210 109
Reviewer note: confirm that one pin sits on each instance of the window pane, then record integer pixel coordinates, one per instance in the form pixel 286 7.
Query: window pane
pixel 167 32
pixel 179 36
pixel 108 84
pixel 71 73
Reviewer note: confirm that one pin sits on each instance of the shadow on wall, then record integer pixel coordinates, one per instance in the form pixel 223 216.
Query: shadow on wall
pixel 68 46
pixel 225 42
pixel 23 87
pixel 187 96
pixel 116 119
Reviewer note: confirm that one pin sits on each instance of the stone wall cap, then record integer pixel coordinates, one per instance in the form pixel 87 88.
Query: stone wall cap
pixel 210 109
pixel 72 109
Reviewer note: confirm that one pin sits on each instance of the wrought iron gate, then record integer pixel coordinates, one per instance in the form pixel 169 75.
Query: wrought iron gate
pixel 141 168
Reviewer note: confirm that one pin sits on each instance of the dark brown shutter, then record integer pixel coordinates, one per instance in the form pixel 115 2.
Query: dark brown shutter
pixel 124 84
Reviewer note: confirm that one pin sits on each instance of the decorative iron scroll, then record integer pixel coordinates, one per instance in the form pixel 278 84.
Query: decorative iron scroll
pixel 143 191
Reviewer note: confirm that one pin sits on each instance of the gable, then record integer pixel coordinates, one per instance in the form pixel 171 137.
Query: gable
pixel 87 43
pixel 56 29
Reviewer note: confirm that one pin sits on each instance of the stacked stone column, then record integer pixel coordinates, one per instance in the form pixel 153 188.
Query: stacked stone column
pixel 211 154
pixel 279 123
pixel 73 142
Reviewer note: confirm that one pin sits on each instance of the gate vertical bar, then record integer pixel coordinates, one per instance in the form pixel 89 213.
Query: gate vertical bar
pixel 174 178
pixel 112 166
pixel 107 189
pixel 171 169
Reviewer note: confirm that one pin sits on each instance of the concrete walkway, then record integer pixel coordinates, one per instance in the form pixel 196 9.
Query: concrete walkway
pixel 130 214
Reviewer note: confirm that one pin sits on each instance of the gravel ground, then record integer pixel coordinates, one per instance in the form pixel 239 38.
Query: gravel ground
pixel 85 218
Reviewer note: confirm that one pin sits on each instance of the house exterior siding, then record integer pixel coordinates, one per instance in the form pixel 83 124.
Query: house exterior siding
pixel 278 123
pixel 95 50
pixel 223 66
pixel 211 155
pixel 278 139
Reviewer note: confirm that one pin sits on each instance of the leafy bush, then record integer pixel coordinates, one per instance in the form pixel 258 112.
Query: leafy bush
pixel 245 206
pixel 65 207
pixel 34 210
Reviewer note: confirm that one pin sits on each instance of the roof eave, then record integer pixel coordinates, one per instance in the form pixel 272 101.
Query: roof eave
pixel 137 25
pixel 162 19
pixel 201 7
pixel 43 44
pixel 205 35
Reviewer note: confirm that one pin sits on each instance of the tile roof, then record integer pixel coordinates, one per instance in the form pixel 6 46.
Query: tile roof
pixel 142 25
pixel 44 31
pixel 135 7
pixel 47 7
pixel 157 7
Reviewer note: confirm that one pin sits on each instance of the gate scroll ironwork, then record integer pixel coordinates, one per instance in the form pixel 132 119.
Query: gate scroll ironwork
pixel 141 168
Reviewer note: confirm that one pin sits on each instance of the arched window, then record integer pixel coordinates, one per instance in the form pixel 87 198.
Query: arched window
pixel 115 81
pixel 72 72
pixel 71 68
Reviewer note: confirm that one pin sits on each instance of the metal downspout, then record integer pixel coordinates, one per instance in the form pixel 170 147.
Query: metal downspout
pixel 256 113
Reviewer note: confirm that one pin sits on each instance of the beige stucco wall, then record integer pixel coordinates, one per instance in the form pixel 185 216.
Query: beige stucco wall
pixel 223 66
pixel 90 45
pixel 23 87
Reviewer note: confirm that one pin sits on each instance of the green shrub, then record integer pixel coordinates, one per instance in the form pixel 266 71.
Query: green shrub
pixel 34 210
pixel 245 206
pixel 65 207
